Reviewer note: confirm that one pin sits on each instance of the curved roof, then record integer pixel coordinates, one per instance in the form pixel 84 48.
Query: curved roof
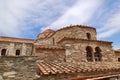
pixel 80 26
pixel 48 31
pixel 45 34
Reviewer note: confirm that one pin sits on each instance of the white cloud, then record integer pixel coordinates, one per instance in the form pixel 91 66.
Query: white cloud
pixel 11 14
pixel 81 12
pixel 111 27
pixel 16 16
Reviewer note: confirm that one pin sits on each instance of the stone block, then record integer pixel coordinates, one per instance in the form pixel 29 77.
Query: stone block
pixel 12 73
pixel 1 78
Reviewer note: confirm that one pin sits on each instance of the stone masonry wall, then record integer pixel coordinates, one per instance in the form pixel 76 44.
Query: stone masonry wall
pixel 76 50
pixel 74 31
pixel 25 49
pixel 117 55
pixel 50 54
pixel 18 68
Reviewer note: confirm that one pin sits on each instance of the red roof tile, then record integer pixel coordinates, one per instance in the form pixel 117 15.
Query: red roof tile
pixel 58 68
pixel 46 34
pixel 19 40
pixel 74 38
pixel 117 51
pixel 48 47
pixel 80 26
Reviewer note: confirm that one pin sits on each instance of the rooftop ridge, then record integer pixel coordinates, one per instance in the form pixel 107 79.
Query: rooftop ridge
pixel 16 38
pixel 63 38
pixel 49 47
pixel 81 26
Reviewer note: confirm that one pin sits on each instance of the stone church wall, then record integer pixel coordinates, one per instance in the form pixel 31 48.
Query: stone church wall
pixel 50 54
pixel 48 41
pixel 18 68
pixel 76 50
pixel 75 31
pixel 117 55
pixel 11 47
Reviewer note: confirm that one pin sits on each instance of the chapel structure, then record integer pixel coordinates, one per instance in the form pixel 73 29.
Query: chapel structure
pixel 69 53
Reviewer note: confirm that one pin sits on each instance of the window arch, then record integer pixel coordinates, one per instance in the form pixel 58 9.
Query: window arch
pixel 3 52
pixel 97 54
pixel 17 52
pixel 88 36
pixel 89 55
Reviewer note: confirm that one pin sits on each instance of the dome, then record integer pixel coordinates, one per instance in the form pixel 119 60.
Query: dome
pixel 48 31
pixel 45 34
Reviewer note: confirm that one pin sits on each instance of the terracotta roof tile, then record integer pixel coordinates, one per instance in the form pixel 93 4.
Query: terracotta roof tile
pixel 60 68
pixel 12 39
pixel 46 34
pixel 74 38
pixel 117 51
pixel 80 26
pixel 48 47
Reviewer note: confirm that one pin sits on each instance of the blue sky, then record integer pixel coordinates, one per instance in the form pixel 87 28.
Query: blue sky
pixel 27 18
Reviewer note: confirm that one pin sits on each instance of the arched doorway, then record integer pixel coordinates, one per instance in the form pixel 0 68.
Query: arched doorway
pixel 88 36
pixel 17 52
pixel 89 55
pixel 3 52
pixel 97 54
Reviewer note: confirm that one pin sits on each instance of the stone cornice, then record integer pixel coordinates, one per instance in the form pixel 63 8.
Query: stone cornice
pixel 49 47
pixel 74 38
pixel 80 26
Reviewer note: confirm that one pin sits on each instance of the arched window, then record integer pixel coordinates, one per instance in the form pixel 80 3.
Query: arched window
pixel 17 52
pixel 89 55
pixel 3 52
pixel 97 54
pixel 88 36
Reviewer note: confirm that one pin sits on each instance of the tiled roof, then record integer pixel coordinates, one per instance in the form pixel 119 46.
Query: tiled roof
pixel 19 40
pixel 117 51
pixel 46 34
pixel 74 38
pixel 49 32
pixel 47 68
pixel 80 26
pixel 48 47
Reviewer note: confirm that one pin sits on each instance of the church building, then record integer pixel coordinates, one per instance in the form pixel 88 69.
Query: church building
pixel 69 53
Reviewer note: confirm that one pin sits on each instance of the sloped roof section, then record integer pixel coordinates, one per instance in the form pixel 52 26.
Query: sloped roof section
pixel 75 38
pixel 47 68
pixel 19 40
pixel 45 34
pixel 80 26
pixel 49 47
